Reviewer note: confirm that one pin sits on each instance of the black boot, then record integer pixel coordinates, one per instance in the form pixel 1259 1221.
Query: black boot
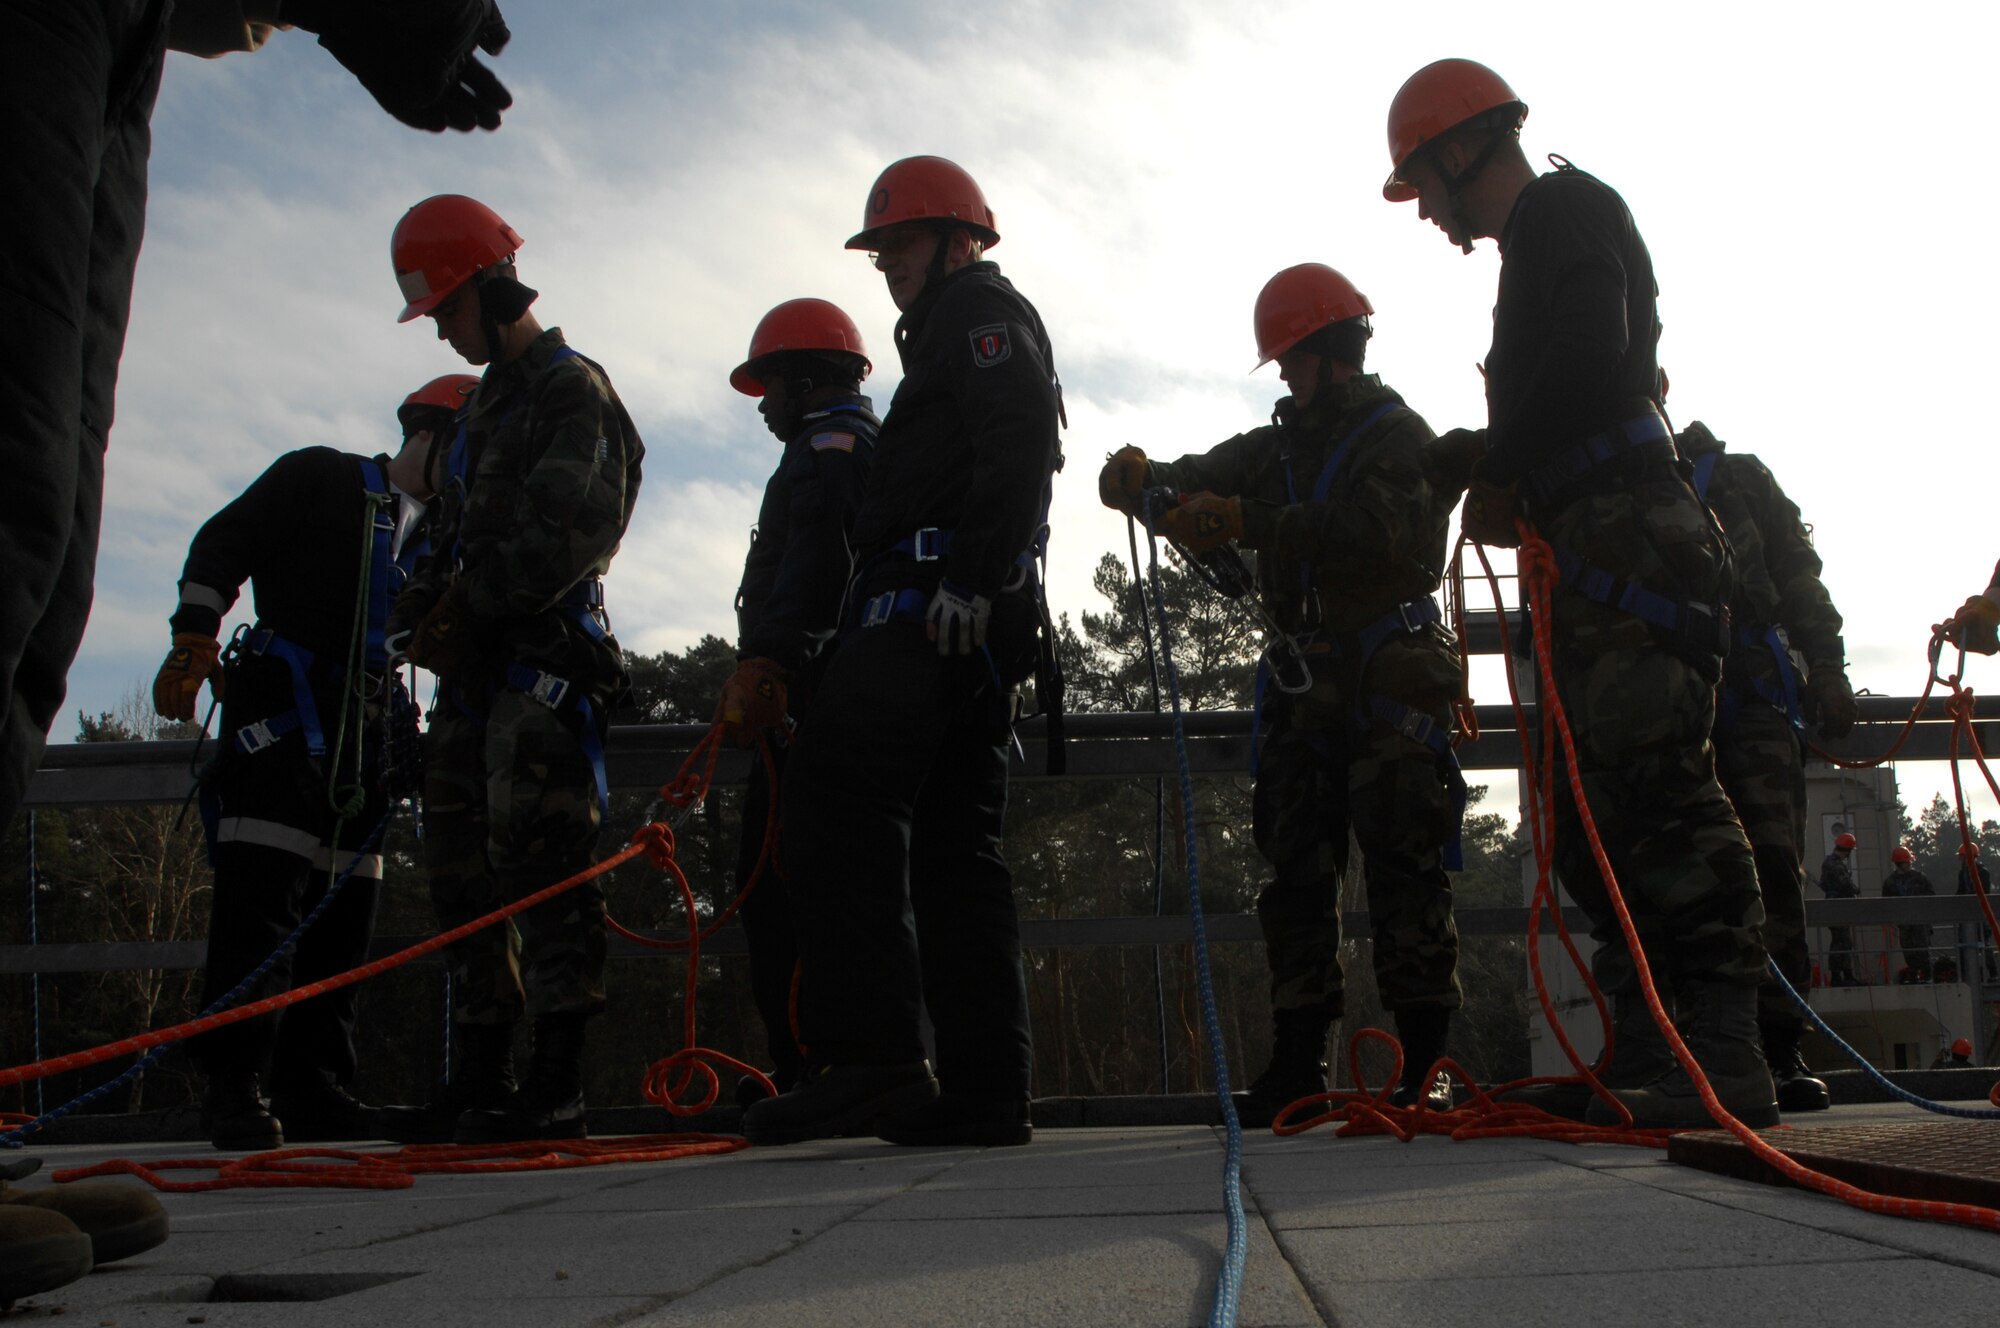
pixel 237 1117
pixel 1718 1020
pixel 1797 1089
pixel 1422 1032
pixel 1639 1056
pixel 839 1099
pixel 322 1110
pixel 483 1078
pixel 961 1120
pixel 549 1102
pixel 1297 1068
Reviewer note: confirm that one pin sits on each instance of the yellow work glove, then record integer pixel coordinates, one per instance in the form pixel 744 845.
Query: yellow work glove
pixel 1489 514
pixel 1122 482
pixel 194 659
pixel 1203 522
pixel 1976 626
pixel 445 642
pixel 753 700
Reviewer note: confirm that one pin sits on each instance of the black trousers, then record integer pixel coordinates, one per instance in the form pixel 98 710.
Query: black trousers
pixel 77 83
pixel 276 845
pixel 768 926
pixel 891 807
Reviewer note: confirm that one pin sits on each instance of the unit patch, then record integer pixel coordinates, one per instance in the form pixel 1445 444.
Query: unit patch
pixel 990 345
pixel 832 442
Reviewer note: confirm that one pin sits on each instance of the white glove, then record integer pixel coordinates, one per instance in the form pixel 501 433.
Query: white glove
pixel 957 620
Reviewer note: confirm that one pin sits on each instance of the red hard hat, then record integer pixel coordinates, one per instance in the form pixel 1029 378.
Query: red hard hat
pixel 1962 1047
pixel 924 189
pixel 798 325
pixel 1844 841
pixel 1902 854
pixel 1439 97
pixel 440 244
pixel 446 393
pixel 1299 302
pixel 1971 851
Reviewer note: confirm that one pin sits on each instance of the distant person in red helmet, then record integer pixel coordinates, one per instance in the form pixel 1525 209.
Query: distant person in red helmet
pixel 82 76
pixel 896 788
pixel 1904 881
pixel 1836 881
pixel 537 490
pixel 805 367
pixel 1350 536
pixel 313 714
pixel 1576 443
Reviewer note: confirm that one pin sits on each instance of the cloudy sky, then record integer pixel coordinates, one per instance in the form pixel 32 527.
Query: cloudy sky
pixel 1806 185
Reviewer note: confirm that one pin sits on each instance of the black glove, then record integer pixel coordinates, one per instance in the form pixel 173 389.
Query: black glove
pixel 415 56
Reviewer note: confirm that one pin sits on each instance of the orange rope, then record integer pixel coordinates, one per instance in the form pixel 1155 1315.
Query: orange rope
pixel 331 1168
pixel 283 1168
pixel 1481 1117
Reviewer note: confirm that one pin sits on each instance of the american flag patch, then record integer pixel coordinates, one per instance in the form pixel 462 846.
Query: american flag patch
pixel 834 442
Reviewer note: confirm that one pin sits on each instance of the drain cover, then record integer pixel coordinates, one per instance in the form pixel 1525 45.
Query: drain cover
pixel 1952 1161
pixel 240 1288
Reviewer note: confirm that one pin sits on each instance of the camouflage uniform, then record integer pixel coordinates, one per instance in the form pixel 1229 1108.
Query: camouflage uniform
pixel 1780 605
pixel 1571 377
pixel 546 468
pixel 1328 571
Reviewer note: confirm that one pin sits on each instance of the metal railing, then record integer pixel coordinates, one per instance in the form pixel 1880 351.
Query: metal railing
pixel 1099 746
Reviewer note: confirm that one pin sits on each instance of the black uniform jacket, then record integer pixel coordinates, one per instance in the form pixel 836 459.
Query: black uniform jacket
pixel 796 571
pixel 970 441
pixel 1576 328
pixel 296 534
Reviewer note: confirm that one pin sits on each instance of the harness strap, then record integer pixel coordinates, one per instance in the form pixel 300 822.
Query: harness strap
pixel 1323 485
pixel 557 694
pixel 1645 434
pixel 305 712
pixel 1698 626
pixel 1420 727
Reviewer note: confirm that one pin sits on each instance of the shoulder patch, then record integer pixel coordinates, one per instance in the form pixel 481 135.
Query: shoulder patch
pixel 832 441
pixel 990 345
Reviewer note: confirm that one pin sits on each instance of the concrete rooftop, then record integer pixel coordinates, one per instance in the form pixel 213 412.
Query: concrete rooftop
pixel 1089 1226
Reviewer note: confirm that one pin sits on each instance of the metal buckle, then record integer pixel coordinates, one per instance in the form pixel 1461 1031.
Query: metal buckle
pixel 924 545
pixel 877 610
pixel 255 737
pixel 549 689
pixel 1418 726
pixel 1412 622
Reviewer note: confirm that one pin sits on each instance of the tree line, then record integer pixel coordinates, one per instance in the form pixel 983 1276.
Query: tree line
pixel 1107 1020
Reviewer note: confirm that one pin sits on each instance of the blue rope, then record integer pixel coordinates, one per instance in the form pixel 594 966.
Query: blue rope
pixel 1881 1080
pixel 1229 1280
pixel 35 978
pixel 17 1138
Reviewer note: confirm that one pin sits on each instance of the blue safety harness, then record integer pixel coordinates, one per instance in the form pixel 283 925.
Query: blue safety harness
pixel 388 570
pixel 1783 695
pixel 582 606
pixel 1412 616
pixel 1698 626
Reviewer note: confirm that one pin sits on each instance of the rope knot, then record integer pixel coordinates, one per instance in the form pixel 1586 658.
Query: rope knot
pixel 657 839
pixel 1536 556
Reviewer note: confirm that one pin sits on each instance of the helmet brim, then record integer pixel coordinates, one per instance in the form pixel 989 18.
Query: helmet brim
pixel 743 380
pixel 1398 190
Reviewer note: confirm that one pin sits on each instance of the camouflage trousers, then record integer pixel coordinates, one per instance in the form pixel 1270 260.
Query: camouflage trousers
pixel 1641 715
pixel 1762 767
pixel 1320 772
pixel 511 807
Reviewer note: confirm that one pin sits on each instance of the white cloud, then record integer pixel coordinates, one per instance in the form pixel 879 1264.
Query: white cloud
pixel 678 168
